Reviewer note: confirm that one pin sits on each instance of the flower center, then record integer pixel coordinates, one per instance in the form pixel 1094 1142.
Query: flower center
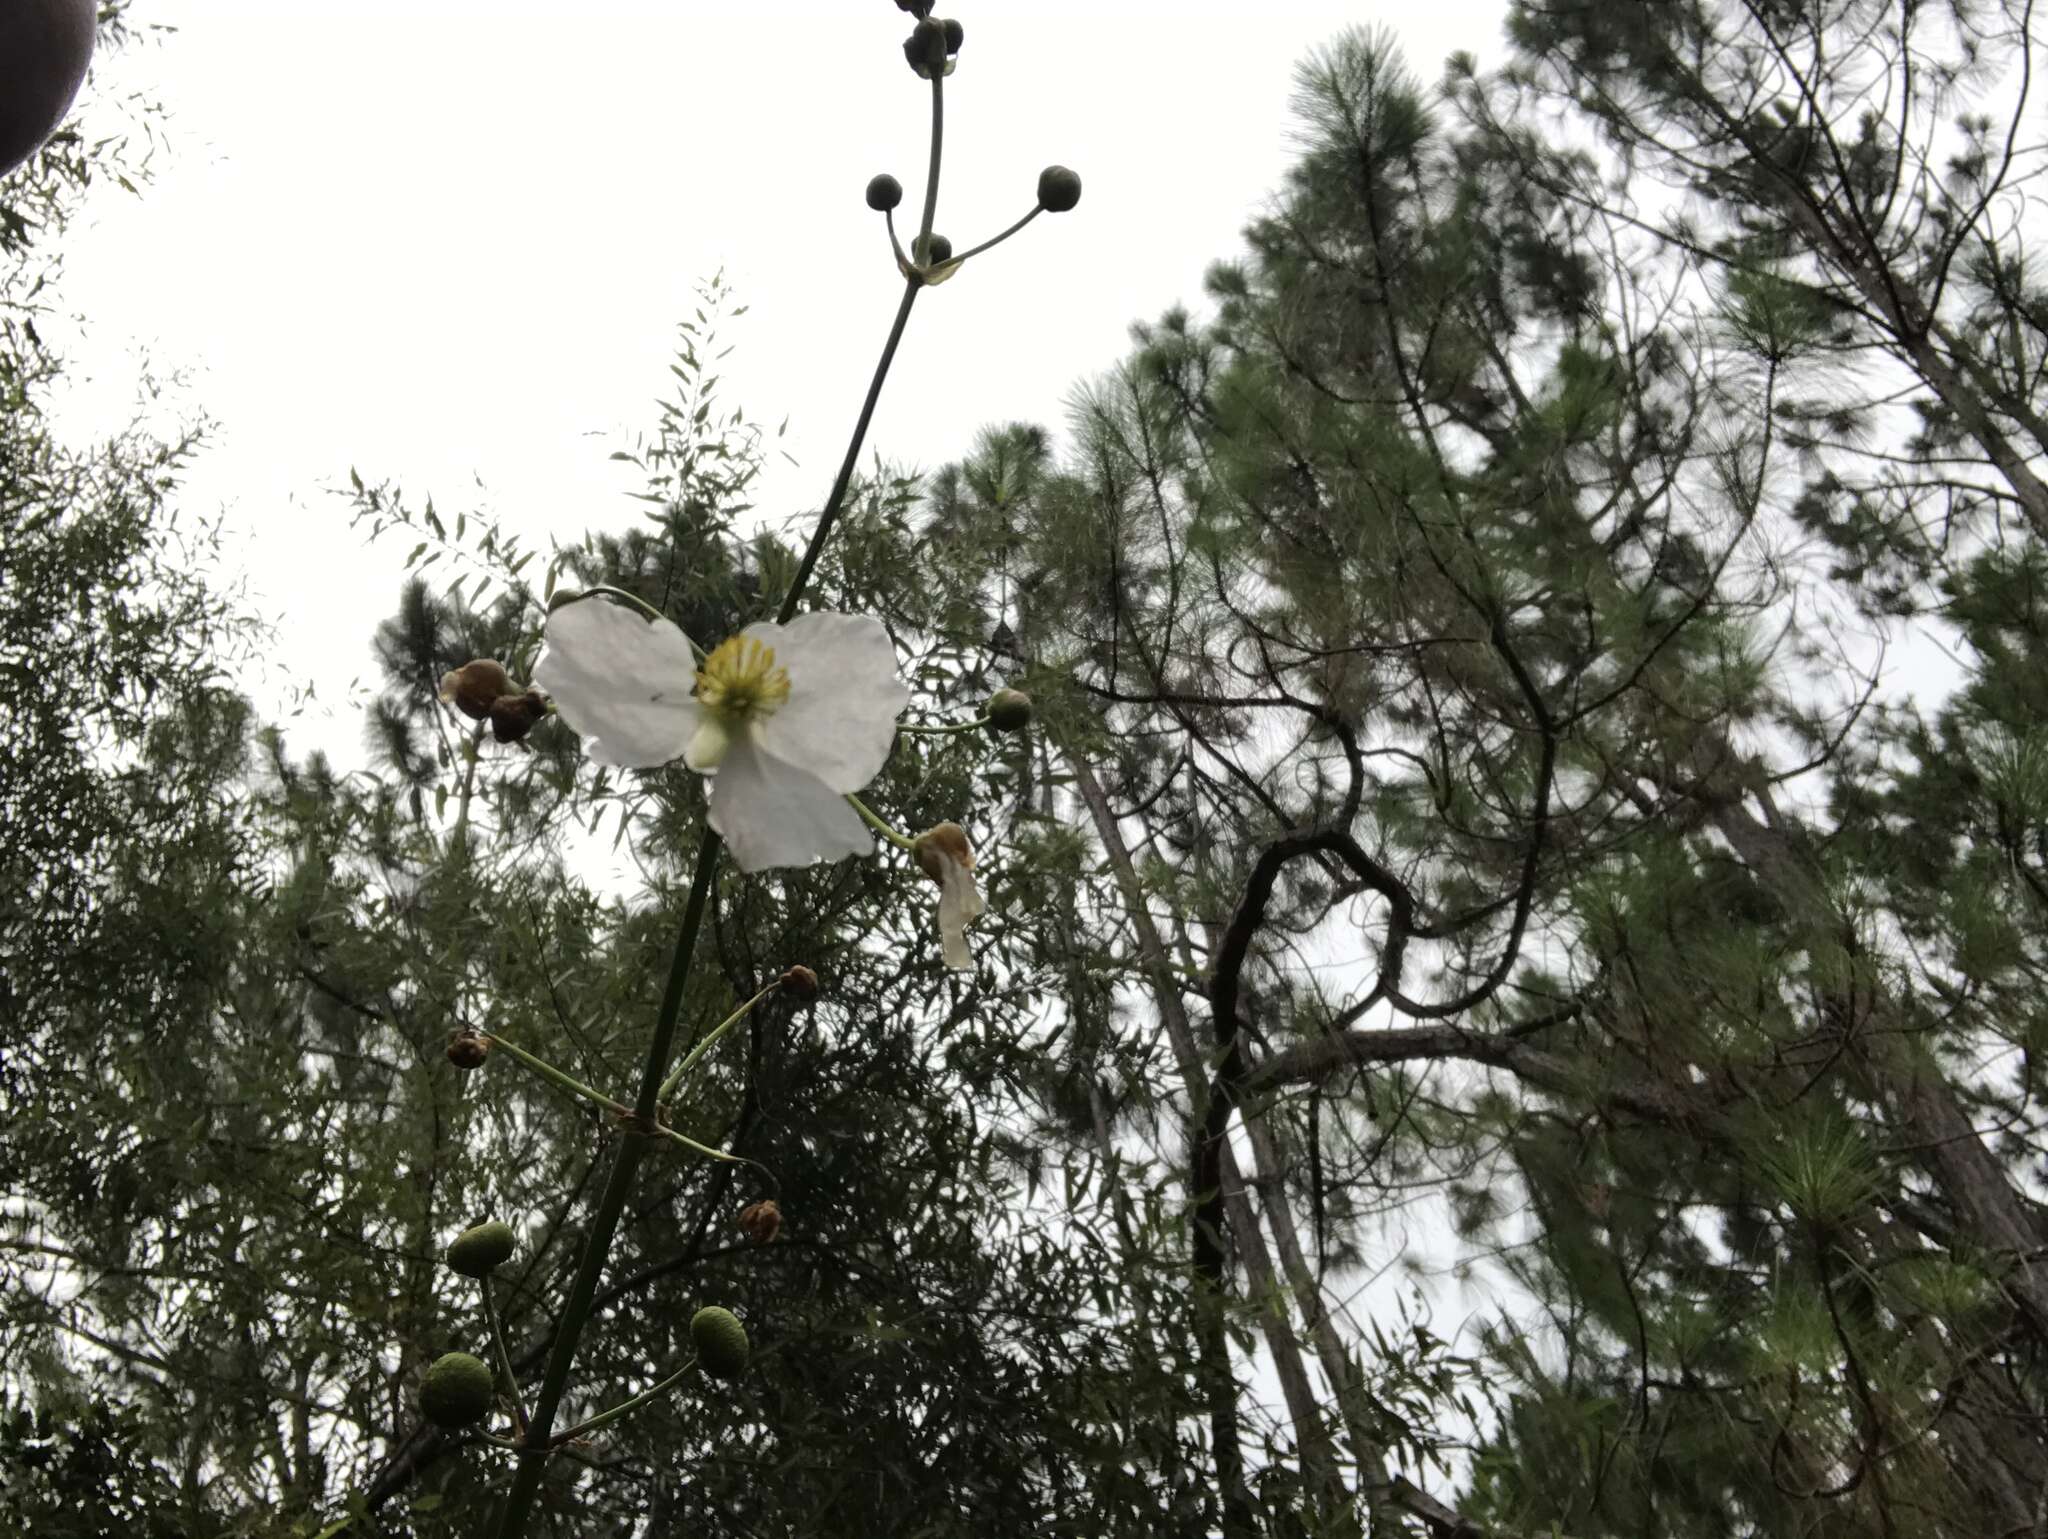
pixel 739 680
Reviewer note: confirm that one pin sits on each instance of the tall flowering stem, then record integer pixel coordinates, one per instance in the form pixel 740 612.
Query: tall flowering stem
pixel 931 181
pixel 860 432
pixel 533 1455
pixel 604 1224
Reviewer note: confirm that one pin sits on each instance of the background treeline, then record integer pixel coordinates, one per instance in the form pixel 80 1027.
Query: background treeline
pixel 1475 792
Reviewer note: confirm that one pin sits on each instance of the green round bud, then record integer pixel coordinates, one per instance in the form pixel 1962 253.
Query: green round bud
pixel 1058 189
pixel 457 1391
pixel 940 250
pixel 1009 710
pixel 884 193
pixel 955 35
pixel 721 1342
pixel 479 1251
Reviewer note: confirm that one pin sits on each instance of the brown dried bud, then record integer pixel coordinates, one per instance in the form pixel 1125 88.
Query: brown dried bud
pixel 761 1222
pixel 469 1049
pixel 474 687
pixel 513 716
pixel 936 846
pixel 800 983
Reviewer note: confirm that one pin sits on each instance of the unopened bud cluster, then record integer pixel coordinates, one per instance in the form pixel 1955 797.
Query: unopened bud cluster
pixel 932 45
pixel 931 50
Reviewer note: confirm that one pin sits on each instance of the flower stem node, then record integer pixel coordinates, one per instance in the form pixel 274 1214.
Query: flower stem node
pixel 482 1249
pixel 721 1342
pixel 938 250
pixel 1009 710
pixel 475 687
pixel 457 1391
pixel 945 856
pixel 800 983
pixel 1058 189
pixel 468 1050
pixel 925 48
pixel 513 716
pixel 761 1221
pixel 884 193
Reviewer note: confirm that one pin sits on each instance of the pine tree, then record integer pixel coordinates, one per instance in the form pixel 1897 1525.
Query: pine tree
pixel 1466 606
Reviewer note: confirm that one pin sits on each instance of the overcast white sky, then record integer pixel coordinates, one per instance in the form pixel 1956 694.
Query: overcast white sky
pixel 448 241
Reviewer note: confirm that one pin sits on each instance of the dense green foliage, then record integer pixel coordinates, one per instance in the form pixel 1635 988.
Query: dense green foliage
pixel 1462 798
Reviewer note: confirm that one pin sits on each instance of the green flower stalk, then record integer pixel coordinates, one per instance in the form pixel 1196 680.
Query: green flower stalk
pixel 674 1082
pixel 605 1418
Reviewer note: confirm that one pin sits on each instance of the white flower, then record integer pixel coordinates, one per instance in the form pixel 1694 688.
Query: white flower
pixel 947 860
pixel 791 717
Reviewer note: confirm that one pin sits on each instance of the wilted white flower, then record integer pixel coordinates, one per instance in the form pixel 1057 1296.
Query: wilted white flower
pixel 788 718
pixel 944 854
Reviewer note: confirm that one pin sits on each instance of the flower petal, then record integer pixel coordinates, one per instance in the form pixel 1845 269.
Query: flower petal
pixel 774 814
pixel 620 681
pixel 959 902
pixel 839 721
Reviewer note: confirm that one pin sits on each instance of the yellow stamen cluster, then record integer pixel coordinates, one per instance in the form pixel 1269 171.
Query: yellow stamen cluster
pixel 740 679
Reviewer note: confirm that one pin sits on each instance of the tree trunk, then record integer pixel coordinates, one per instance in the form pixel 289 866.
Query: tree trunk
pixel 1312 1438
